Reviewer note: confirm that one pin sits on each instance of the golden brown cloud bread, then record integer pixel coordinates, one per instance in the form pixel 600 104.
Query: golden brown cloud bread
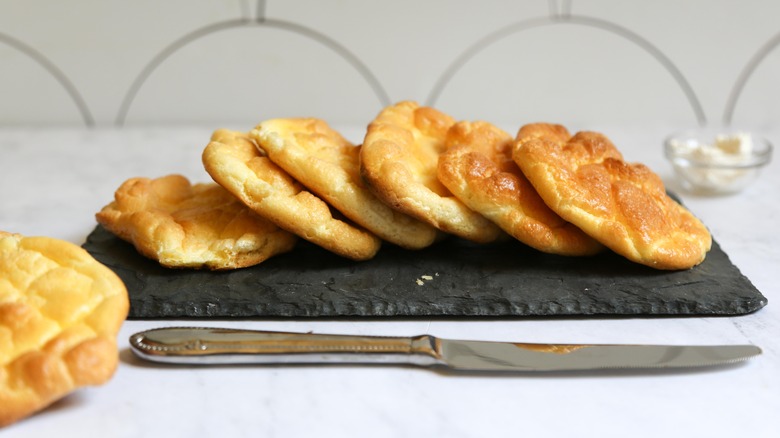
pixel 60 312
pixel 234 161
pixel 191 226
pixel 625 206
pixel 399 158
pixel 329 165
pixel 478 168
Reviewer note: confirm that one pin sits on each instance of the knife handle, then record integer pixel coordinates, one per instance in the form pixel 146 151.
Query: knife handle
pixel 212 346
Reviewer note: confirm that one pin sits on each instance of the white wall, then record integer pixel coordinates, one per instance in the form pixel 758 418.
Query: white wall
pixel 122 63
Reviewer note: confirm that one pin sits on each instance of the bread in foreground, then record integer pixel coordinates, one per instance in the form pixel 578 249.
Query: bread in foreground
pixel 183 225
pixel 584 179
pixel 60 312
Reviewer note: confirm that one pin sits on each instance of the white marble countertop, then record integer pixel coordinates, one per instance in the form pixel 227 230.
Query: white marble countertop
pixel 52 181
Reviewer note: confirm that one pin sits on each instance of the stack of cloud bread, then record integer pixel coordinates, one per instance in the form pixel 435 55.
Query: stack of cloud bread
pixel 418 176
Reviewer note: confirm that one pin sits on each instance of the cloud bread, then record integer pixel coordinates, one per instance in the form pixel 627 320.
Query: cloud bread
pixel 399 158
pixel 191 226
pixel 625 206
pixel 60 312
pixel 329 165
pixel 478 168
pixel 234 161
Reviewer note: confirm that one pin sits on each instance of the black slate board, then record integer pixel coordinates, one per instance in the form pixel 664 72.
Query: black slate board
pixel 498 280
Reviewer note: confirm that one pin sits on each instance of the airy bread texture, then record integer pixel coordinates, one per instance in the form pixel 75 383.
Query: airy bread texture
pixel 329 165
pixel 478 168
pixel 191 226
pixel 624 206
pixel 418 177
pixel 399 160
pixel 60 312
pixel 235 162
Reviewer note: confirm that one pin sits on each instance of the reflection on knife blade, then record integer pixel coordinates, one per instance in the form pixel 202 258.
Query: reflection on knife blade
pixel 551 348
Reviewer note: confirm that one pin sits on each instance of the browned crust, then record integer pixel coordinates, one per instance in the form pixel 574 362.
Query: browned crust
pixel 181 225
pixel 399 159
pixel 234 161
pixel 478 168
pixel 625 206
pixel 329 165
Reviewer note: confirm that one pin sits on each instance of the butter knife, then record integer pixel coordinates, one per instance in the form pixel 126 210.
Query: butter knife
pixel 212 346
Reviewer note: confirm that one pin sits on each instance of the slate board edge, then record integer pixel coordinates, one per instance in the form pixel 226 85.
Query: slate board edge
pixel 202 312
pixel 140 308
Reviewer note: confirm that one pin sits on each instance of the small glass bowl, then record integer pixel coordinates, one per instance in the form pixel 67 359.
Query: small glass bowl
pixel 702 167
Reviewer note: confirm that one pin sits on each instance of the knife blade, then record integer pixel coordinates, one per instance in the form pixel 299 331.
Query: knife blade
pixel 211 346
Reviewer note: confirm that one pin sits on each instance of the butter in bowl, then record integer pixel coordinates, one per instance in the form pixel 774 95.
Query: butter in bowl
pixel 716 162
